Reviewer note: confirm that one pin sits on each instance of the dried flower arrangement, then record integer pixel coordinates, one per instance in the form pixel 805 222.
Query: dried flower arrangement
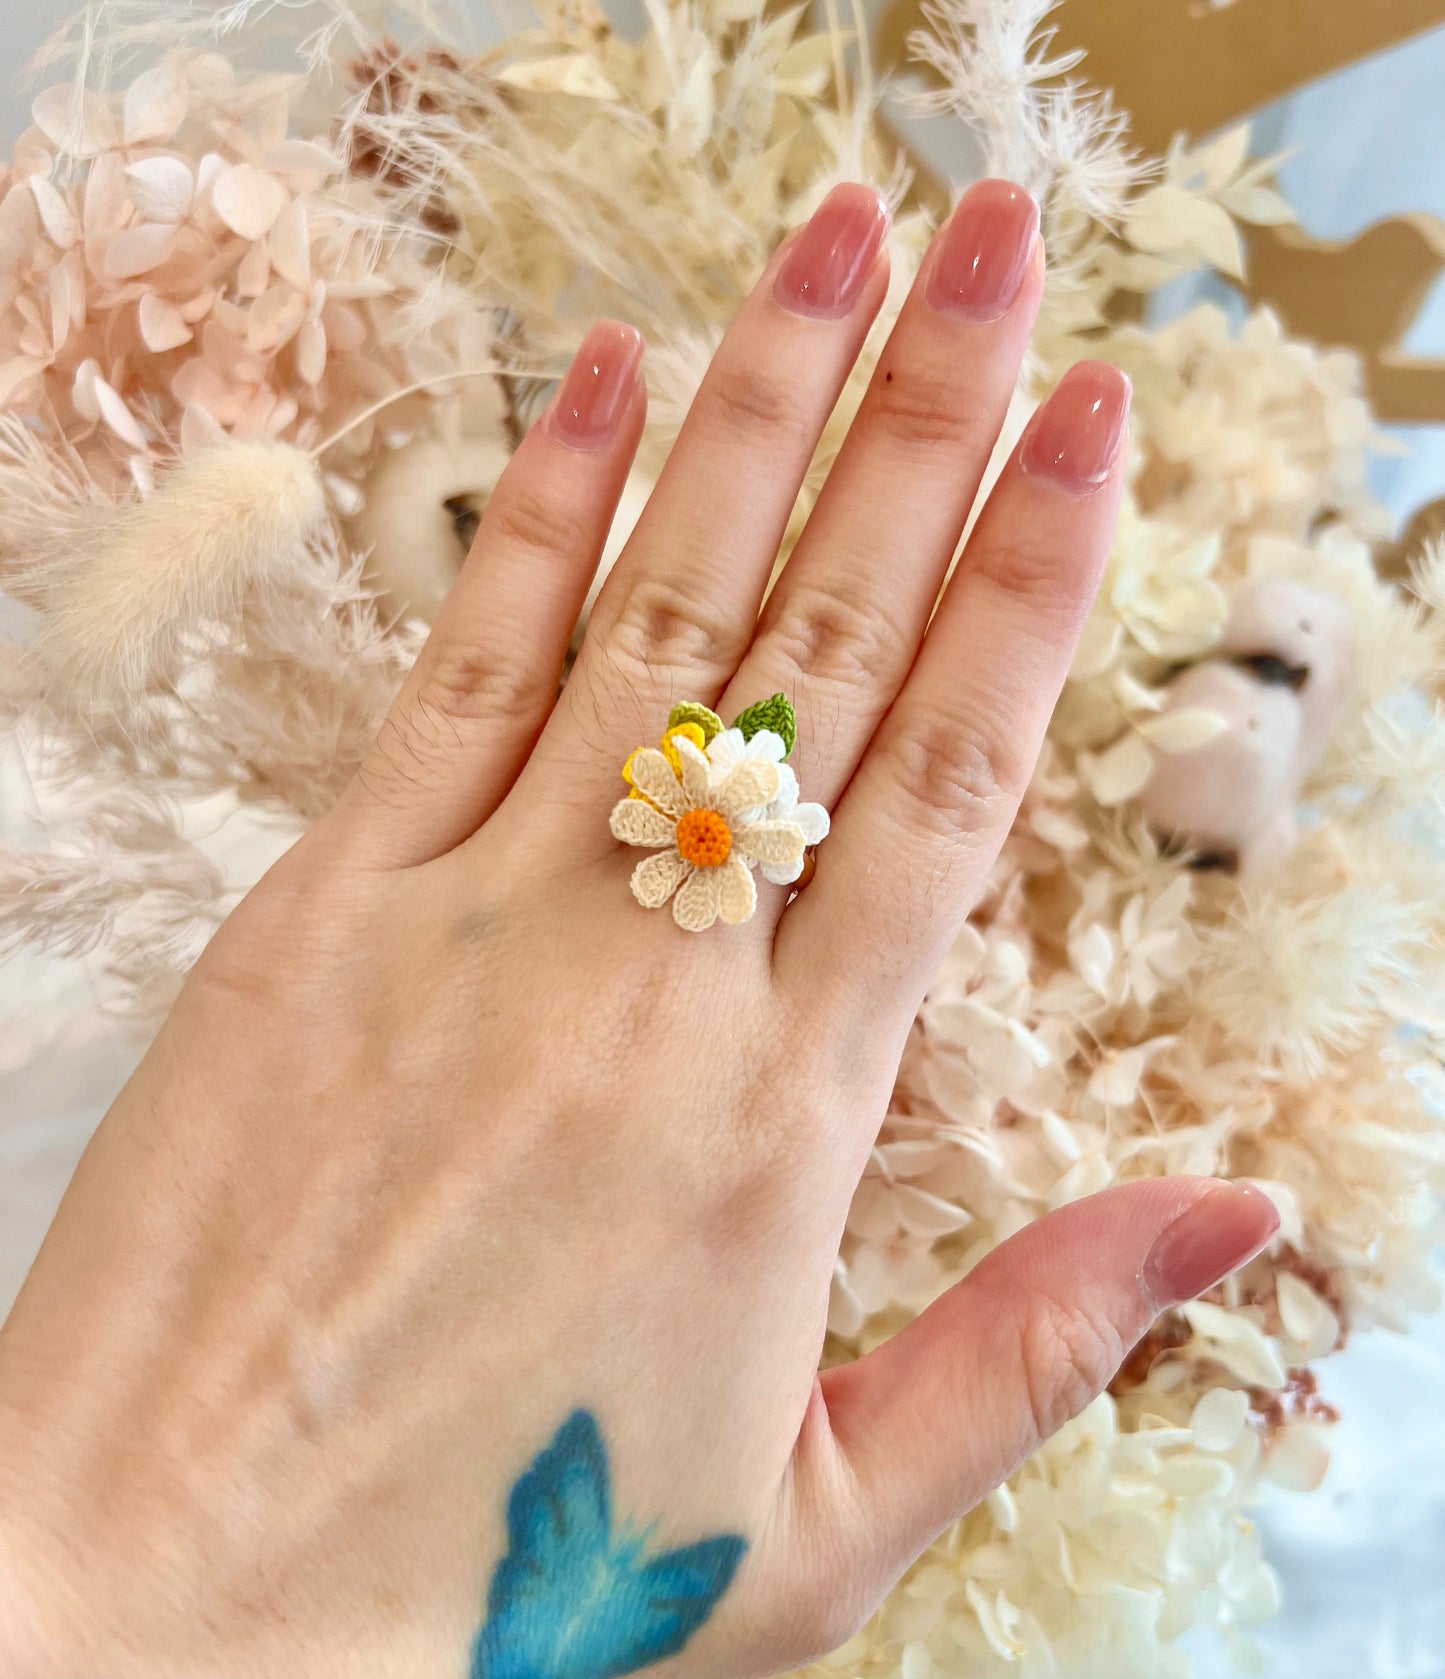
pixel 251 327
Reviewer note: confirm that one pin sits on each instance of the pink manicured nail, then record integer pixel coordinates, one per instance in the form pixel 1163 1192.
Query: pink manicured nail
pixel 985 252
pixel 594 395
pixel 824 272
pixel 1075 436
pixel 1213 1237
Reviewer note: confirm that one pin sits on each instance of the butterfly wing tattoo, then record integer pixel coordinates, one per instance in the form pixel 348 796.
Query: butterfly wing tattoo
pixel 572 1599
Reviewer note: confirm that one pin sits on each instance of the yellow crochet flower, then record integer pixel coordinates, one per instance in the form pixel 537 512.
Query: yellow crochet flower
pixel 668 748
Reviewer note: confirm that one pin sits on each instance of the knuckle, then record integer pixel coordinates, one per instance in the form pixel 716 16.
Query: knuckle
pixel 929 413
pixel 462 681
pixel 1066 1356
pixel 837 635
pixel 460 687
pixel 538 521
pixel 1036 577
pixel 660 623
pixel 956 776
pixel 751 400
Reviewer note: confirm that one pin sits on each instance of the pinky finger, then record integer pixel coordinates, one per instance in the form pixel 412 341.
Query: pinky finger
pixel 472 707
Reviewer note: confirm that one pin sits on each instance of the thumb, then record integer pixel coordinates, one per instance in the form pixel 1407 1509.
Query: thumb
pixel 911 1436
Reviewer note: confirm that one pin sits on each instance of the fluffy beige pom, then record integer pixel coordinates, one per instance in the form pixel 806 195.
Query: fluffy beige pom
pixel 122 599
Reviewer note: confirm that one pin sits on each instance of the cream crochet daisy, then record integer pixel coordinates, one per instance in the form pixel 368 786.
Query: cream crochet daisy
pixel 706 828
pixel 729 749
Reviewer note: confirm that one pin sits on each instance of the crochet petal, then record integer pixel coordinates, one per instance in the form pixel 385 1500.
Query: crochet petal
pixel 769 842
pixel 737 896
pixel 727 750
pixel 754 782
pixel 813 820
pixel 696 774
pixel 652 775
pixel 783 874
pixel 656 878
pixel 635 822
pixel 766 744
pixel 695 906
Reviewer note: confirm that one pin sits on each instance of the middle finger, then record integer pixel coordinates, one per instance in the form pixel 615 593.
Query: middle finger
pixel 843 624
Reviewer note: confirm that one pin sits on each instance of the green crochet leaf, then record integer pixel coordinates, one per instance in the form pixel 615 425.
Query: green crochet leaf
pixel 776 714
pixel 690 711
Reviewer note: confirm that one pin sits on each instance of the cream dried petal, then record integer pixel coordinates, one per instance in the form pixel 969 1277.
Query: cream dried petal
pixel 81 127
pixel 56 216
pixel 16 373
pixel 248 200
pixel 653 777
pixel 656 878
pixel 117 416
pixel 82 390
pixel 1219 1418
pixel 253 273
pixel 200 431
pixel 305 158
pixel 753 783
pixel 737 895
pixel 208 171
pixel 105 203
pixel 770 842
pixel 161 188
pixel 635 822
pixel 274 319
pixel 161 326
pixel 155 106
pixel 695 907
pixel 138 250
pixel 311 351
pixel 290 245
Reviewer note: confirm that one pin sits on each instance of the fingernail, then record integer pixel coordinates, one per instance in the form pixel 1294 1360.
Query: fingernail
pixel 593 397
pixel 1211 1238
pixel 985 252
pixel 1075 436
pixel 824 272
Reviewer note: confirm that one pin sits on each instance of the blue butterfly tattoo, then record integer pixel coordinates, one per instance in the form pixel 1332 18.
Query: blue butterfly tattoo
pixel 571 1599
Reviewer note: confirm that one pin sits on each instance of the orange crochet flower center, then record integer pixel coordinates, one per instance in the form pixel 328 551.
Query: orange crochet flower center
pixel 704 838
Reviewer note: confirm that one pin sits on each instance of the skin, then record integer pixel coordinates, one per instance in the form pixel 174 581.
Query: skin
pixel 446 1137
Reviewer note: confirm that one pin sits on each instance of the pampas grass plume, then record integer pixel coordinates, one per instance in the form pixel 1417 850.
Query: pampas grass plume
pixel 120 603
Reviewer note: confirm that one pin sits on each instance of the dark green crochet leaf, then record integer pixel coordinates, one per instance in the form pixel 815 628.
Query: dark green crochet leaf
pixel 775 714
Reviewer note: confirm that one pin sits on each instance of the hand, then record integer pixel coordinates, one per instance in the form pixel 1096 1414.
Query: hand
pixel 457 1178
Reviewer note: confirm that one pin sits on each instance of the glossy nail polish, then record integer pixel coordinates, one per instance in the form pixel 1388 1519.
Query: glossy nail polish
pixel 984 252
pixel 829 262
pixel 593 396
pixel 1211 1238
pixel 1075 436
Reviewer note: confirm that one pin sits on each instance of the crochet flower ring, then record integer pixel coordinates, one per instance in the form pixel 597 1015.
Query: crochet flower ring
pixel 713 804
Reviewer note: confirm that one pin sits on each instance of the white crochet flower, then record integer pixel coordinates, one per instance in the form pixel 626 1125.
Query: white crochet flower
pixel 708 830
pixel 729 749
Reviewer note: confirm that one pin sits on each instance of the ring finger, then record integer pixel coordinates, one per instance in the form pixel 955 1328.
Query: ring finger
pixel 842 626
